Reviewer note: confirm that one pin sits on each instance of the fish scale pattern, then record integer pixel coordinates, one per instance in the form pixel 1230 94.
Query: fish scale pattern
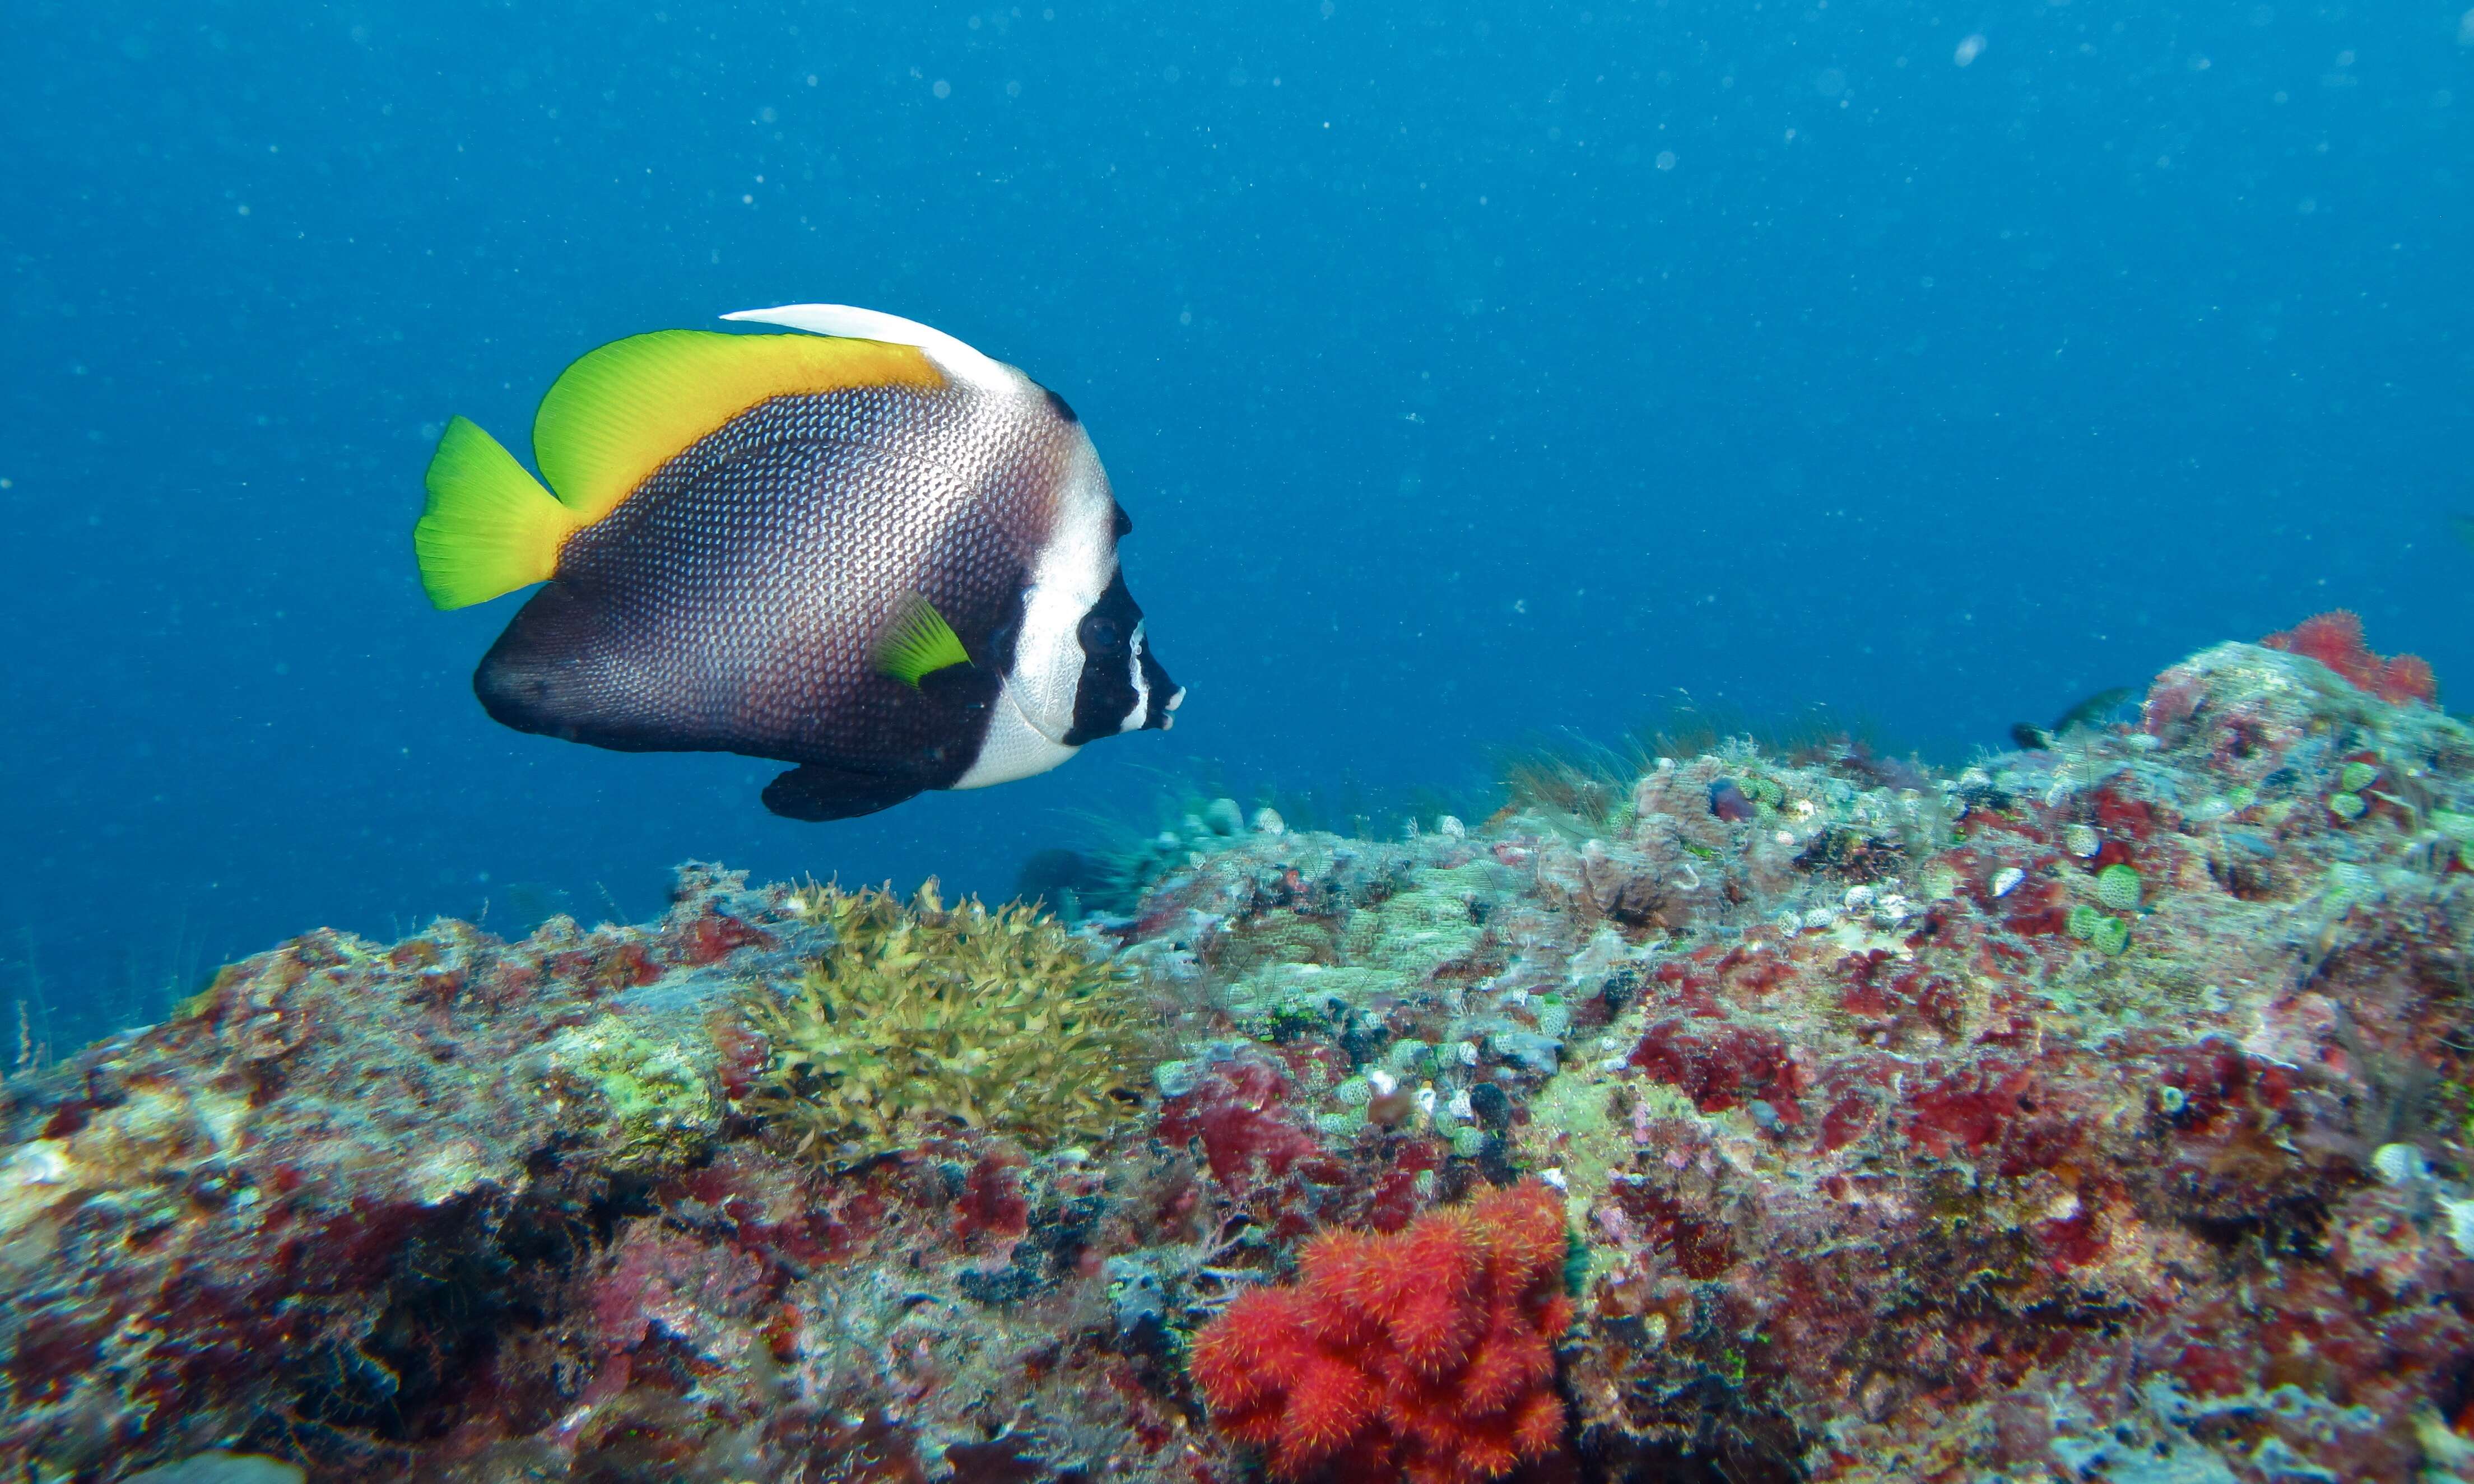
pixel 733 601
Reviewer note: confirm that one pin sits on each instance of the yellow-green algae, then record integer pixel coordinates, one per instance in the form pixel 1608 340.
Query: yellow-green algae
pixel 653 1093
pixel 1390 947
pixel 1576 1130
pixel 923 1018
pixel 1417 931
pixel 1307 988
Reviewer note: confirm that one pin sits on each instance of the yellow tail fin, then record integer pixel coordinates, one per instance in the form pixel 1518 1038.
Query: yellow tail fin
pixel 490 527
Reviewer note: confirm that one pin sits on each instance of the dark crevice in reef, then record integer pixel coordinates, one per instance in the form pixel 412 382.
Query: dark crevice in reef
pixel 479 1278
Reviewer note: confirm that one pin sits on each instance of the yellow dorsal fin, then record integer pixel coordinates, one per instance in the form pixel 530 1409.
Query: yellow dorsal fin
pixel 624 410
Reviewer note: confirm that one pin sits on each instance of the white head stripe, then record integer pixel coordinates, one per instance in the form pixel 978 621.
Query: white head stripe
pixel 1142 711
pixel 1013 747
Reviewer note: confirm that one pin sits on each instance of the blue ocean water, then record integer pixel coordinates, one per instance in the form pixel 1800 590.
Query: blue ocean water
pixel 1469 370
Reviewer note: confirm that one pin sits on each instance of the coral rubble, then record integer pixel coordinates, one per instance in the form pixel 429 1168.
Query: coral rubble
pixel 2096 1111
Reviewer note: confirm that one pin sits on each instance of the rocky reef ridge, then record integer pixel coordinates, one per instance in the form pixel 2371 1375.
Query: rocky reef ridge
pixel 2096 1111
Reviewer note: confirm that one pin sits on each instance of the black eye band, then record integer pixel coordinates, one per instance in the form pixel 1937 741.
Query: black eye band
pixel 1105 698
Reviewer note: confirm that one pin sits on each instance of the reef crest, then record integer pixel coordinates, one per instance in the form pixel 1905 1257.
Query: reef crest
pixel 2094 1111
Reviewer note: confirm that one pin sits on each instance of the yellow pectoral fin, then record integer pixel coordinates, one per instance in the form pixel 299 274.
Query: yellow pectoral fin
pixel 489 528
pixel 621 412
pixel 918 643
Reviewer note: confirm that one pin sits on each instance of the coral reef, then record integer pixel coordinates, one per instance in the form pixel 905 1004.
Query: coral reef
pixel 921 1016
pixel 1426 1356
pixel 2094 1111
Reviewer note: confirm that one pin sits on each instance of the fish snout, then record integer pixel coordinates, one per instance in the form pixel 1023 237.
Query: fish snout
pixel 1165 694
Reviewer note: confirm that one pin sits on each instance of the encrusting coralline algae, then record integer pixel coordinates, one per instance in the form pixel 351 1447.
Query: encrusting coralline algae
pixel 2092 1112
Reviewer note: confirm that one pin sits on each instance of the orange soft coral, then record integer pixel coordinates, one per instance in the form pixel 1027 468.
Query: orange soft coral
pixel 1427 1356
pixel 2336 639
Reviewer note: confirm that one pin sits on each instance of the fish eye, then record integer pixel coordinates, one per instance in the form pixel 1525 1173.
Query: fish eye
pixel 1100 633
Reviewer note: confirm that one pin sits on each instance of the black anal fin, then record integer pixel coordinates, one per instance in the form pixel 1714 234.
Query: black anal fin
pixel 814 792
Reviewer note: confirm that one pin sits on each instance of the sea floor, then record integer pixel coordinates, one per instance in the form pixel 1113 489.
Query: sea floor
pixel 2096 1111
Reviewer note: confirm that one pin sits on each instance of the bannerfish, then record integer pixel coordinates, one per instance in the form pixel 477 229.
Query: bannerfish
pixel 863 548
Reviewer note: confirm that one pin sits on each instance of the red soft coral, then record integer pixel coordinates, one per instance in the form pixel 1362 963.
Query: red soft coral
pixel 1427 1356
pixel 2336 639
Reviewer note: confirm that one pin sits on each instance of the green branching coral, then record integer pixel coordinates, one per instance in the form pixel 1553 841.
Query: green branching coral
pixel 923 1018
